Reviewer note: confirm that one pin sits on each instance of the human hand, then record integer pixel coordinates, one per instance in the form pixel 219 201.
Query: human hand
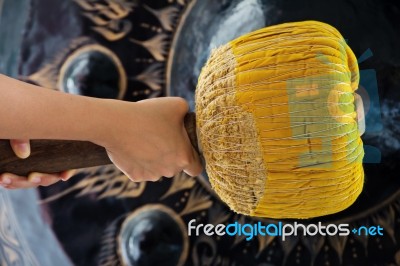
pixel 147 139
pixel 10 181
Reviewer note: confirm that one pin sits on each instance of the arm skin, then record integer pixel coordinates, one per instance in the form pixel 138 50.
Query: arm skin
pixel 145 140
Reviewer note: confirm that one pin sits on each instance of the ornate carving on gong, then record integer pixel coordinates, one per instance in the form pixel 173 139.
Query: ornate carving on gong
pixel 157 48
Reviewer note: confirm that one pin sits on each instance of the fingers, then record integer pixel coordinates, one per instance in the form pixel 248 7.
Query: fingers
pixel 66 175
pixel 194 168
pixel 143 175
pixel 6 180
pixel 43 179
pixel 159 147
pixel 21 147
pixel 11 181
pixel 182 103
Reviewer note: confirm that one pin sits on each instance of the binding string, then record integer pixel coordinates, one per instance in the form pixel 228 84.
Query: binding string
pixel 277 122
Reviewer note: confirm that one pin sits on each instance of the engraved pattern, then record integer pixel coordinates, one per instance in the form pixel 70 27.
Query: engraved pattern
pixel 166 16
pixel 104 181
pixel 13 247
pixel 109 18
pixel 47 76
pixel 108 253
pixel 156 46
pixel 180 182
pixel 197 201
pixel 189 197
pixel 152 76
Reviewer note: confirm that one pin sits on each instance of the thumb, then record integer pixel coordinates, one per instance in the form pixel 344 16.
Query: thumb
pixel 21 147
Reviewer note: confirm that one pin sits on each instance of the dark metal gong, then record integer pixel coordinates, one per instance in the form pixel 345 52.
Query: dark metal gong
pixel 133 50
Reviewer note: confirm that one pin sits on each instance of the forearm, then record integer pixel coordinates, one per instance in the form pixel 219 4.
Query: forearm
pixel 31 112
pixel 146 139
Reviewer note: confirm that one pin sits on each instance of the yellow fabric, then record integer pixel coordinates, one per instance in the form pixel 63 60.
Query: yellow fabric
pixel 298 82
pixel 277 122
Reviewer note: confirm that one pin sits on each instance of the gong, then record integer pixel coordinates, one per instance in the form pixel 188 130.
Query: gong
pixel 133 50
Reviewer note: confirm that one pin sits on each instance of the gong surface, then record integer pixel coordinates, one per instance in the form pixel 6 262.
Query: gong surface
pixel 157 47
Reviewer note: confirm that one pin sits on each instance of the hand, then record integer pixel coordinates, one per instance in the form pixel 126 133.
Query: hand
pixel 11 181
pixel 148 140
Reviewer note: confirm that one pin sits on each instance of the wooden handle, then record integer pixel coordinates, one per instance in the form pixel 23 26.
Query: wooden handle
pixel 52 156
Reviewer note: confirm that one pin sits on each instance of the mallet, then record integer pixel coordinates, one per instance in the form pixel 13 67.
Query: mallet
pixel 277 121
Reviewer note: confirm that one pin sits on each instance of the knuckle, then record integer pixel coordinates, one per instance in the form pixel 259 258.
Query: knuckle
pixel 168 173
pixel 132 174
pixel 133 178
pixel 148 177
pixel 47 183
pixel 182 102
pixel 184 160
pixel 155 178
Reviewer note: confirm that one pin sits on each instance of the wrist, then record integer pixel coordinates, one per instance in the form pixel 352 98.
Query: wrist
pixel 109 120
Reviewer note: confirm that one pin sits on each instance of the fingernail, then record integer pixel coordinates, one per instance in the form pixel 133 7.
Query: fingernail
pixel 35 179
pixel 69 174
pixel 23 150
pixel 6 180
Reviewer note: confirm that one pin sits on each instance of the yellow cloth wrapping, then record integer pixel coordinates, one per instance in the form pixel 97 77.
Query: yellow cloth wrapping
pixel 277 122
